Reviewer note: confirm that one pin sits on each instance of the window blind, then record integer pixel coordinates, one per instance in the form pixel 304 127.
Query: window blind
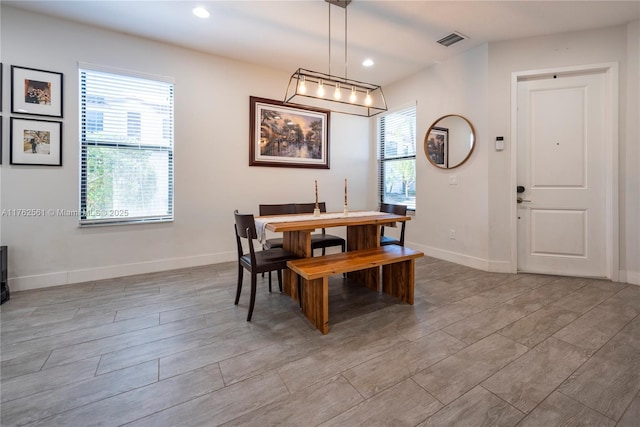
pixel 126 130
pixel 396 157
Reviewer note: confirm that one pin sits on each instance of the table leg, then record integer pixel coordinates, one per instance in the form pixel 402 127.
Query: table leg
pixel 362 237
pixel 398 279
pixel 298 242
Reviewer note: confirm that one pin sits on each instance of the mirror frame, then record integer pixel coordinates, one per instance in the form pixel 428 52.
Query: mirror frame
pixel 435 125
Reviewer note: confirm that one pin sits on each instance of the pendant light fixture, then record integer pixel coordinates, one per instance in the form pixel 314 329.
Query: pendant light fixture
pixel 339 94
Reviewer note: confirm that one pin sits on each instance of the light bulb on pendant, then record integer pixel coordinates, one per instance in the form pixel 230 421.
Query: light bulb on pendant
pixel 302 86
pixel 320 89
pixel 337 95
pixel 352 98
pixel 367 99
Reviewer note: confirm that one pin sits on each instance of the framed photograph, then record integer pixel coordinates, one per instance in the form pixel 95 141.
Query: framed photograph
pixel 1 97
pixel 438 146
pixel 288 136
pixel 35 142
pixel 36 92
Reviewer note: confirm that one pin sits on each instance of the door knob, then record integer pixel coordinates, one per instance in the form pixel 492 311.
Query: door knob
pixel 520 200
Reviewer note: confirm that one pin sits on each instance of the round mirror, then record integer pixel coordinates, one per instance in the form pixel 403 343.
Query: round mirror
pixel 449 141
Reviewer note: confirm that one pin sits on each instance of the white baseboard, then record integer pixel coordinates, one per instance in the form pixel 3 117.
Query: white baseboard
pixel 24 283
pixel 469 261
pixel 631 277
pixel 500 267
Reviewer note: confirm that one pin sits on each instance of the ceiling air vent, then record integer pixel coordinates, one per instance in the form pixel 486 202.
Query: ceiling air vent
pixel 341 3
pixel 452 38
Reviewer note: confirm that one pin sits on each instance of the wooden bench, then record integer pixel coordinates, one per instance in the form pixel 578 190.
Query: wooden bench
pixel 398 270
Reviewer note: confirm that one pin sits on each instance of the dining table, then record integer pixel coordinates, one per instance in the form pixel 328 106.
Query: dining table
pixel 362 231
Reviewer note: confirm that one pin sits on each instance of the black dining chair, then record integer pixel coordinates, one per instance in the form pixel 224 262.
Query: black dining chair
pixel 256 262
pixel 275 209
pixel 398 210
pixel 321 240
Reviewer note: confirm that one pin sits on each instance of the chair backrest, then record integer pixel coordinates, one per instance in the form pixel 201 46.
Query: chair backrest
pixel 309 207
pixel 245 228
pixel 277 209
pixel 396 210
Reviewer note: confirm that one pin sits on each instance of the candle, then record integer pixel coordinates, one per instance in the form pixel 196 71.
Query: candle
pixel 345 191
pixel 316 193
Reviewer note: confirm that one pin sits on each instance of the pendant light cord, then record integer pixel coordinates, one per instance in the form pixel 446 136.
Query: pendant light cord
pixel 345 42
pixel 329 38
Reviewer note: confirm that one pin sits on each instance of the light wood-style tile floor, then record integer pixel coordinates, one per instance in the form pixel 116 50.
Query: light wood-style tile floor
pixel 171 349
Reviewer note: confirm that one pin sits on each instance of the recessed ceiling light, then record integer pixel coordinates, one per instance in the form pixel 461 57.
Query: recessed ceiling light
pixel 367 62
pixel 201 12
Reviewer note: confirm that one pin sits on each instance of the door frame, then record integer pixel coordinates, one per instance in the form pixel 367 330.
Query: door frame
pixel 612 236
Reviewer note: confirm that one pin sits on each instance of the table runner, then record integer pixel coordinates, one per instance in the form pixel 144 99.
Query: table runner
pixel 261 222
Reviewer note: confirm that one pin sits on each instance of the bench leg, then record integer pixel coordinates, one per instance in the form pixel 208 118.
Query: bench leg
pixel 315 302
pixel 398 279
pixel 368 277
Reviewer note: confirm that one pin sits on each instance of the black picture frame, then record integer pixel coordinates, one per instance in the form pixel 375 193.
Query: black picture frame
pixel 35 142
pixel 437 146
pixel 36 92
pixel 288 136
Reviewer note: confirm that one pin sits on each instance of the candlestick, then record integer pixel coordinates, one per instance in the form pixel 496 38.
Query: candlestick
pixel 316 211
pixel 316 193
pixel 346 209
pixel 345 191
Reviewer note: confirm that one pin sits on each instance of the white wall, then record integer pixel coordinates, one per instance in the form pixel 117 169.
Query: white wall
pixel 477 84
pixel 630 188
pixel 212 176
pixel 456 86
pixel 616 44
pixel 211 155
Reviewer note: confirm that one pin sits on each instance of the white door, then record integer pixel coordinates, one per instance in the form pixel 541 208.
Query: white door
pixel 561 164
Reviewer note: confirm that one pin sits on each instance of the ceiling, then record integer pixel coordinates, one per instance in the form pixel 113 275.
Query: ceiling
pixel 400 36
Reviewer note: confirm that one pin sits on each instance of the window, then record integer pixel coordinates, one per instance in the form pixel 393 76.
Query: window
pixel 126 131
pixel 397 157
pixel 134 129
pixel 94 121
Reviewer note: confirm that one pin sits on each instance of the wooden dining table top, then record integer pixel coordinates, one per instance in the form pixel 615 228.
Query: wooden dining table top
pixel 330 220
